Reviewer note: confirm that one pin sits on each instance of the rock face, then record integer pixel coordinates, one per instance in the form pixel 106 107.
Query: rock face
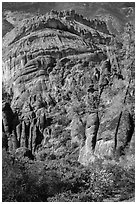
pixel 91 130
pixel 77 131
pixel 61 70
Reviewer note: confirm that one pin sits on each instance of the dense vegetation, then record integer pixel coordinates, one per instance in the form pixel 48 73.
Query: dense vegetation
pixel 66 180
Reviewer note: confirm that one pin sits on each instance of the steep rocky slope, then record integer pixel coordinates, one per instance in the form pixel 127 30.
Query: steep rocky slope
pixel 120 12
pixel 68 86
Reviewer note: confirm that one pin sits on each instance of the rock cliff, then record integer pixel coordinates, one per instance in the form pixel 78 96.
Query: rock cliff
pixel 71 85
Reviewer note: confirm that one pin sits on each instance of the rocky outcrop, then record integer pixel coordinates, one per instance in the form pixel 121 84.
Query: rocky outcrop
pixel 126 131
pixel 91 130
pixel 77 131
pixel 66 84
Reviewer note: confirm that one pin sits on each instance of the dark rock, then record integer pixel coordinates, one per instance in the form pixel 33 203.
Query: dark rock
pixel 7 116
pixel 126 131
pixel 4 141
pixel 92 127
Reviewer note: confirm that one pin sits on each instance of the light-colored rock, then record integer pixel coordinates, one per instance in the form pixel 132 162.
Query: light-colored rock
pixel 77 131
pixel 86 154
pixel 104 148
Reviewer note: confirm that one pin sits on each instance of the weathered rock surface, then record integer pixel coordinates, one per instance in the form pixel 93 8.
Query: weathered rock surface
pixel 67 82
pixel 91 130
pixel 77 131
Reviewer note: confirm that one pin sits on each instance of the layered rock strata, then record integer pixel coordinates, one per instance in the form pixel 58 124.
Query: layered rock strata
pixel 57 64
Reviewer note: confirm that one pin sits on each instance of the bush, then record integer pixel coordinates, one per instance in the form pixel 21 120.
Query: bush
pixel 26 182
pixel 65 180
pixel 95 183
pixel 13 179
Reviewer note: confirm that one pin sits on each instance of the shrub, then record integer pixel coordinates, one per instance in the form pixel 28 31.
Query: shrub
pixel 65 180
pixel 95 183
pixel 13 179
pixel 26 182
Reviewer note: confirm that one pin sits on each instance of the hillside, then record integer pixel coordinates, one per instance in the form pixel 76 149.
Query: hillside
pixel 68 87
pixel 122 12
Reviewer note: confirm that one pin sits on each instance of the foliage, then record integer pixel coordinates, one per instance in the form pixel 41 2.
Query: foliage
pixel 96 183
pixel 65 180
pixel 21 184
